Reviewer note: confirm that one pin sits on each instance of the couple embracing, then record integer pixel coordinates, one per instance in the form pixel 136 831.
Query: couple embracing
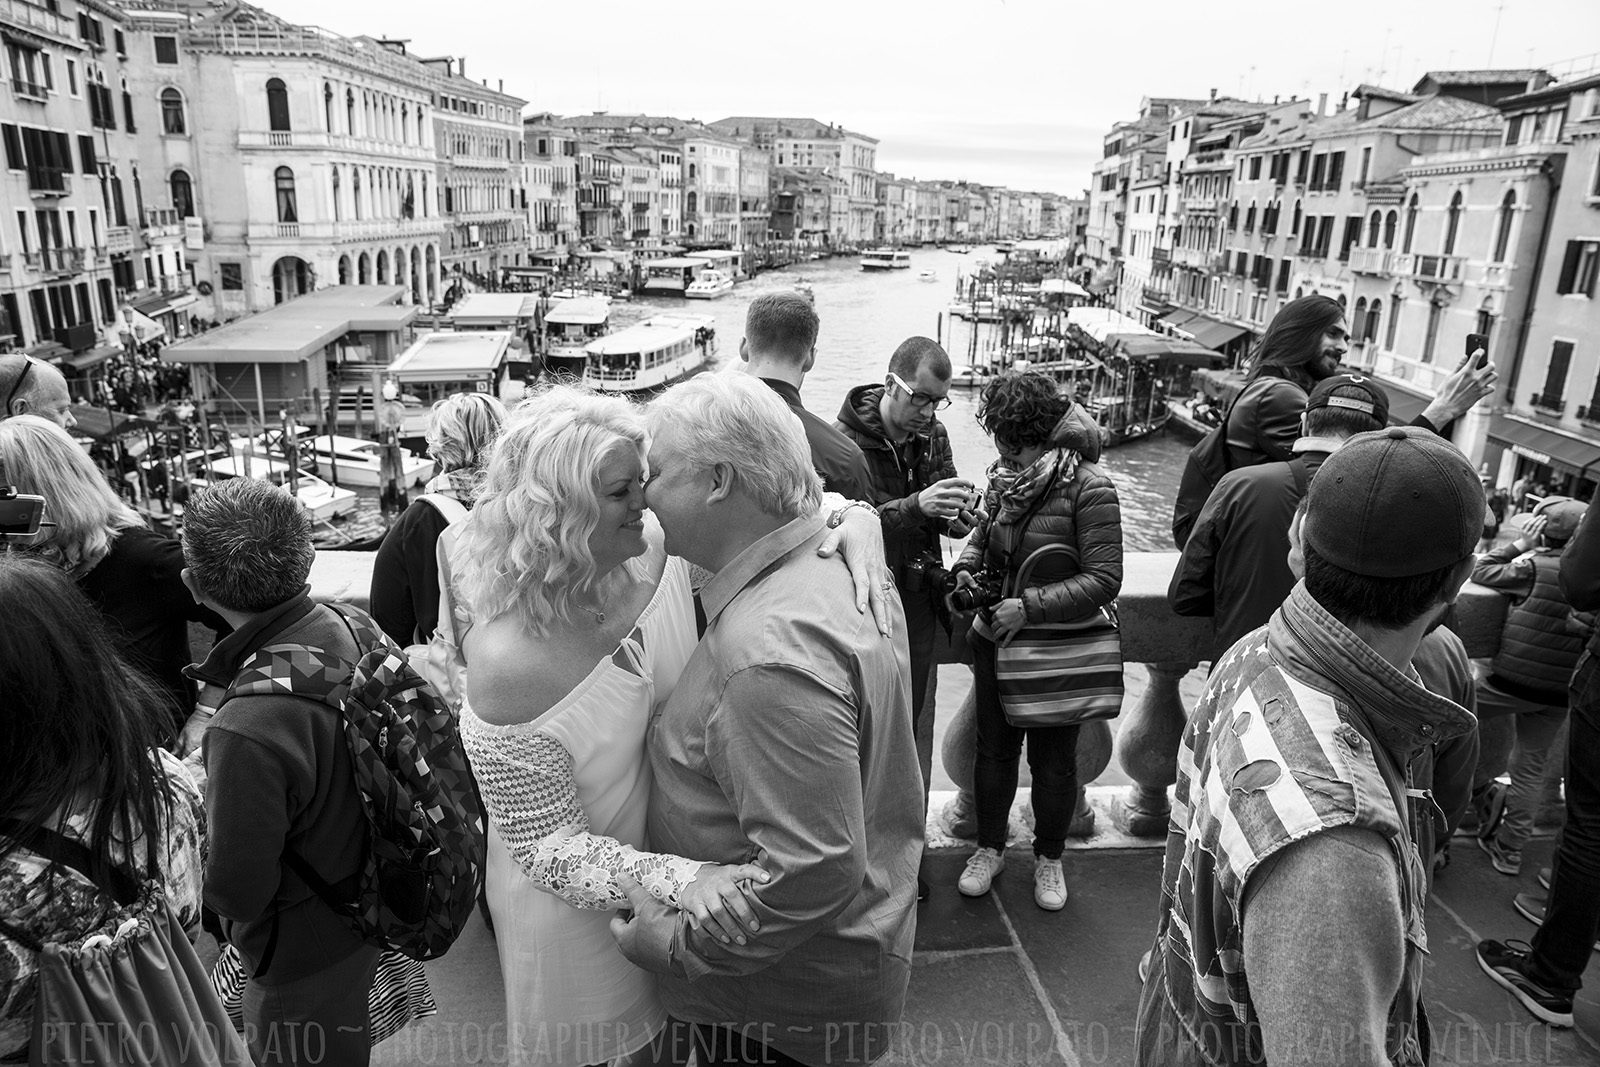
pixel 720 830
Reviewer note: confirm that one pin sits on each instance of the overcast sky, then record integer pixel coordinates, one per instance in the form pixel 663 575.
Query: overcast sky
pixel 1006 92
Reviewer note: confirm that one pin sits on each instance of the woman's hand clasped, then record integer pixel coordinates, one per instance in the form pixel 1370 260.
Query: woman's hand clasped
pixel 718 899
pixel 1008 617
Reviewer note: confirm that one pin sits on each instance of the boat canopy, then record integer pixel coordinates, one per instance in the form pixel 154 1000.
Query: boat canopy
pixel 674 263
pixel 579 311
pixel 1061 287
pixel 444 355
pixel 1170 349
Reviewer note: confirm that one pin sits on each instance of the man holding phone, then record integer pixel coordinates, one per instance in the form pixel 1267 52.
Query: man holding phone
pixel 918 495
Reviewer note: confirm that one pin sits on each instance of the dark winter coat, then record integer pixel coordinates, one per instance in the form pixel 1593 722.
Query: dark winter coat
pixel 898 473
pixel 1081 513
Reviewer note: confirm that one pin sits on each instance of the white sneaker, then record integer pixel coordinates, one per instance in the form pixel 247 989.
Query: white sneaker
pixel 981 869
pixel 1049 885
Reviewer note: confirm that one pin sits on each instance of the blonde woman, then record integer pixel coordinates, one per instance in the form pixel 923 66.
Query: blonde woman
pixel 405 572
pixel 130 573
pixel 583 624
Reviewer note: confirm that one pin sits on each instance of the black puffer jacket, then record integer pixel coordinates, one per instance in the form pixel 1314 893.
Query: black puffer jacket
pixel 1082 514
pixel 898 474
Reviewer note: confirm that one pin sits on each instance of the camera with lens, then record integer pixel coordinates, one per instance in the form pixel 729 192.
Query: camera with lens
pixel 989 591
pixel 925 573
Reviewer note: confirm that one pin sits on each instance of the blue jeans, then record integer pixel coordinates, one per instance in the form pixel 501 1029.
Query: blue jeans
pixel 1562 946
pixel 1052 761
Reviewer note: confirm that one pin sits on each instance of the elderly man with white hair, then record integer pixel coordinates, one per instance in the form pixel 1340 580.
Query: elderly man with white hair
pixel 788 738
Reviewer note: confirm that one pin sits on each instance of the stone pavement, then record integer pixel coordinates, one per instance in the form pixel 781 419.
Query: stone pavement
pixel 998 981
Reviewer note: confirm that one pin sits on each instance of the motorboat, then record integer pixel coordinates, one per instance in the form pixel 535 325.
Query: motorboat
pixel 885 259
pixel 344 460
pixel 927 276
pixel 321 500
pixel 710 285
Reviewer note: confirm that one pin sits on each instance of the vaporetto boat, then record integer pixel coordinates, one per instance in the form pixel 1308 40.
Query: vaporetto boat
pixel 651 355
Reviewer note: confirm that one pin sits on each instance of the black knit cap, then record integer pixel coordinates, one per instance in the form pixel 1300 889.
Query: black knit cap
pixel 1395 503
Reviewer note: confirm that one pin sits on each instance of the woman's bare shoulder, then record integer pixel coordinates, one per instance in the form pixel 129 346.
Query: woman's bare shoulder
pixel 517 676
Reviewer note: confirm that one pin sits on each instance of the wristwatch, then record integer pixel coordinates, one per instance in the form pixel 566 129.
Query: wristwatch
pixel 838 513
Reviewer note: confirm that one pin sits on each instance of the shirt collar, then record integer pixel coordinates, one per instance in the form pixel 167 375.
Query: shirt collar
pixel 743 568
pixel 1400 712
pixel 222 664
pixel 787 390
pixel 1329 445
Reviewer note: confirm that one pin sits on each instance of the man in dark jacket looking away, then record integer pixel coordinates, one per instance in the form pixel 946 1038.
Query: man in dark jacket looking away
pixel 780 345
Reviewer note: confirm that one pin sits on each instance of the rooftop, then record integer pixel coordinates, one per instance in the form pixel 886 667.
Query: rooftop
pixel 777 126
pixel 445 353
pixel 293 332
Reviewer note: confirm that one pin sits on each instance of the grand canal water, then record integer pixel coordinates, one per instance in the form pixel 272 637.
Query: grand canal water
pixel 866 315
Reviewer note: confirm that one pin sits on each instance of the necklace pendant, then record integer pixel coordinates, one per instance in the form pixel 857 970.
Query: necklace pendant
pixel 599 616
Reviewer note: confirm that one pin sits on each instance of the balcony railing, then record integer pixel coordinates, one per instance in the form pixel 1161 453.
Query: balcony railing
pixel 1434 268
pixel 55 260
pixel 1496 275
pixel 5 262
pixel 37 17
pixel 47 180
pixel 29 90
pixel 288 229
pixel 1372 261
pixel 119 239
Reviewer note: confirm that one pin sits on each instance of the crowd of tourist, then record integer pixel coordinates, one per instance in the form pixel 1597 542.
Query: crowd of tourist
pixel 653 686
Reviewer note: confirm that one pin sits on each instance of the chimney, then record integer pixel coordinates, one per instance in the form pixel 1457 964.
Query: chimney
pixel 1344 101
pixel 1322 104
pixel 1213 95
pixel 502 82
pixel 463 62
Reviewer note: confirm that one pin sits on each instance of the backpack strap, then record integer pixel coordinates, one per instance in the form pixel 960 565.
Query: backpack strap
pixel 449 507
pixel 1297 467
pixel 116 881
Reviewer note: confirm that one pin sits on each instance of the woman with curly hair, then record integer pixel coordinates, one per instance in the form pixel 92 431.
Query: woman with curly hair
pixel 581 625
pixel 1045 489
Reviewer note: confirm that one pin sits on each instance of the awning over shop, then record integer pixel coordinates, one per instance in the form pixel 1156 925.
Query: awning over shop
pixel 1572 455
pixel 91 358
pixel 1404 405
pixel 1213 334
pixel 1178 318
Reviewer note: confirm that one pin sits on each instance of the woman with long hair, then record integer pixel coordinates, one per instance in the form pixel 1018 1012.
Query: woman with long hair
pixel 129 572
pixel 405 573
pixel 81 732
pixel 1303 345
pixel 581 626
pixel 1046 489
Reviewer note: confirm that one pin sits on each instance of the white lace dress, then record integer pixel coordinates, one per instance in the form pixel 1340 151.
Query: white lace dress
pixel 566 796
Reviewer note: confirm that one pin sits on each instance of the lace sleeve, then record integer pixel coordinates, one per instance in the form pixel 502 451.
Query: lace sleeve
pixel 529 790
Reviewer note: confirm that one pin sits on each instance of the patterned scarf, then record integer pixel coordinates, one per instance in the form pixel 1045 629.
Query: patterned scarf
pixel 1015 491
pixel 463 483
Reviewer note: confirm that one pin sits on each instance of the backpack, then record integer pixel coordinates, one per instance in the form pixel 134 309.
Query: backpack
pixel 1204 468
pixel 424 863
pixel 130 992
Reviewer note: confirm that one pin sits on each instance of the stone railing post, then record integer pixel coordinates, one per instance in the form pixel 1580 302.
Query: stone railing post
pixel 1147 748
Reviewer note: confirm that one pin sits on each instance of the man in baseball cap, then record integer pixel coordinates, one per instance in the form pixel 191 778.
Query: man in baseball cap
pixel 1235 564
pixel 1310 728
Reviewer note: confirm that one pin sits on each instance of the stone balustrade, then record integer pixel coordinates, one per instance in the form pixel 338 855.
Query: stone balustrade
pixel 1149 727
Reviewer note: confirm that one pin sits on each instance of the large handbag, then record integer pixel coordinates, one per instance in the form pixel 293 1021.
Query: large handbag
pixel 133 992
pixel 1060 673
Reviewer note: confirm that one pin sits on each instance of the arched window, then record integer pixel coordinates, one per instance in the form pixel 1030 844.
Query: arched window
pixel 172 112
pixel 1502 230
pixel 182 193
pixel 283 180
pixel 356 184
pixel 1358 321
pixel 327 106
pixel 350 111
pixel 691 201
pixel 1369 330
pixel 1250 218
pixel 1233 215
pixel 1390 221
pixel 1452 225
pixel 338 208
pixel 1374 229
pixel 1295 222
pixel 1411 223
pixel 277 104
pixel 1393 327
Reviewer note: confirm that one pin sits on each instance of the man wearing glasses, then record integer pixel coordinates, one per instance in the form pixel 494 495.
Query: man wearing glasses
pixel 918 496
pixel 33 387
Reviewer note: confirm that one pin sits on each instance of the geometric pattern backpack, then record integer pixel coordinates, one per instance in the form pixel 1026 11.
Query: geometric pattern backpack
pixel 424 863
